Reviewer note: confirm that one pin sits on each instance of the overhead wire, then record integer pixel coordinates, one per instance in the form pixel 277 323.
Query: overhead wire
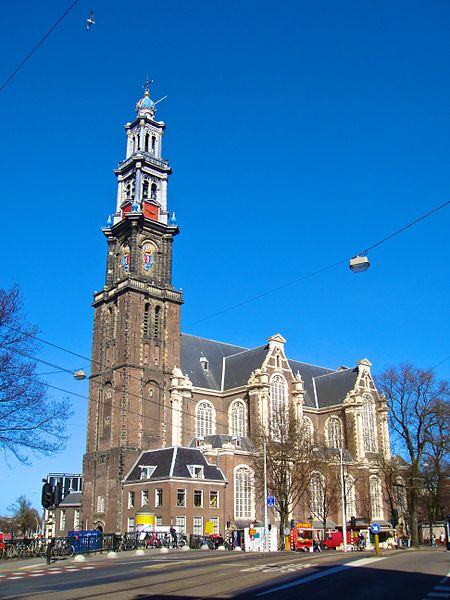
pixel 92 361
pixel 41 41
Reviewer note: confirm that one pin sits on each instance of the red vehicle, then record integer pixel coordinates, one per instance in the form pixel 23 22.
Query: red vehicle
pixel 333 539
pixel 301 537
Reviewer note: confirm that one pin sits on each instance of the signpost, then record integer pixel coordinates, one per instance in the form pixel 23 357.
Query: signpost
pixel 375 529
pixel 271 501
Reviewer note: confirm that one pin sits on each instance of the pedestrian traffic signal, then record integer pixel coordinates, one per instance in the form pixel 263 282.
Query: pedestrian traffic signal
pixel 47 495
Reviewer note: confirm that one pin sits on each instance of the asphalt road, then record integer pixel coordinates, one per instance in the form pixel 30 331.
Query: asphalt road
pixel 400 575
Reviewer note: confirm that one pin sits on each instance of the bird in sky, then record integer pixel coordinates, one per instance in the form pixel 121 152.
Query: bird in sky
pixel 90 21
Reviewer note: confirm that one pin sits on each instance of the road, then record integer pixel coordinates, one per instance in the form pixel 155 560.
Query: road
pixel 400 575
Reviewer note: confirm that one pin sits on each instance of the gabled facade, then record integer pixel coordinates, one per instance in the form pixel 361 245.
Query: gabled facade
pixel 155 391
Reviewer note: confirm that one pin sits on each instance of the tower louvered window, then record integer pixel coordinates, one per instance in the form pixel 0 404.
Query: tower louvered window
pixel 146 323
pixel 156 324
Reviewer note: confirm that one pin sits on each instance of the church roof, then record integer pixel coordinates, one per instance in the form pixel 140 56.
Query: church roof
pixel 218 366
pixel 173 462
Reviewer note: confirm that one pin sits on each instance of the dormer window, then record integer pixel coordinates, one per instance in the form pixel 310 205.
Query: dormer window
pixel 205 363
pixel 196 471
pixel 147 471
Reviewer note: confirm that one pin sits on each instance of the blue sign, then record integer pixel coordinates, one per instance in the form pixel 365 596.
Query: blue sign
pixel 375 528
pixel 270 500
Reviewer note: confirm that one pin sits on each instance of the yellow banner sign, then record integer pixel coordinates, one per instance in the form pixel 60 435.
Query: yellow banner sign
pixel 209 527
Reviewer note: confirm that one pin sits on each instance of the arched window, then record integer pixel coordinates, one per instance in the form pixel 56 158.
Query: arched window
pixel 376 500
pixel 244 493
pixel 316 495
pixel 156 324
pixel 153 144
pixel 204 419
pixel 238 419
pixel 369 424
pixel 278 396
pixel 153 191
pixel 147 137
pixel 146 320
pixel 308 430
pixel 350 500
pixel 145 189
pixel 334 433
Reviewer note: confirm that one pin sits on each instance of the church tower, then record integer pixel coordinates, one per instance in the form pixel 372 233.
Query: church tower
pixel 136 339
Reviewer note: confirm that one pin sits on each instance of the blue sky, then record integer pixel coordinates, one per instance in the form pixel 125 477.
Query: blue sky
pixel 298 132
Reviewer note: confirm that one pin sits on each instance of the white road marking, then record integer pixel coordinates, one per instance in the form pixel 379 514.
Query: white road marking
pixel 441 588
pixel 332 571
pixel 37 574
pixel 85 568
pixel 445 579
pixel 15 577
pixel 437 595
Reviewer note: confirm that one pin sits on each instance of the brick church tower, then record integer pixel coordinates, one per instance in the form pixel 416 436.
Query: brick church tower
pixel 136 339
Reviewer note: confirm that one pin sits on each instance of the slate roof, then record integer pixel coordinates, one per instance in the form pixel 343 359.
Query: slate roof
pixel 72 499
pixel 230 367
pixel 332 388
pixel 172 463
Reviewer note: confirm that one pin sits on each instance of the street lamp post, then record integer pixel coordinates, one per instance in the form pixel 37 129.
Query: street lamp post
pixel 344 522
pixel 266 517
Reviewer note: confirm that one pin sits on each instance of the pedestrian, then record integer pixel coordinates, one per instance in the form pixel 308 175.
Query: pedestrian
pixel 173 533
pixel 433 541
pixel 442 537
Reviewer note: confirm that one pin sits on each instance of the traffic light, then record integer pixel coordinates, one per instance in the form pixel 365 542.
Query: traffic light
pixel 57 494
pixel 353 522
pixel 292 523
pixel 47 495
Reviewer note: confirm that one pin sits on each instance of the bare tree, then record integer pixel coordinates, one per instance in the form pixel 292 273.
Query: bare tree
pixel 290 460
pixel 413 396
pixel 30 422
pixel 435 471
pixel 324 492
pixel 26 518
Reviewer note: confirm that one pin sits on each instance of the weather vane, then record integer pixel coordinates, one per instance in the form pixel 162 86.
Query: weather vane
pixel 147 84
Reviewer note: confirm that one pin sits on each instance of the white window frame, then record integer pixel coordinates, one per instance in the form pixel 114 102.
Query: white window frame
pixel 237 418
pixel 144 497
pixel 278 399
pixel 350 497
pixel 334 432
pixel 244 499
pixel 159 498
pixel 131 499
pixel 216 496
pixel 76 518
pixel 205 419
pixel 216 521
pixel 130 524
pixel 184 496
pixel 62 520
pixel 369 424
pixel 180 524
pixel 376 498
pixel 316 486
pixel 201 499
pixel 197 525
pixel 147 471
pixel 197 471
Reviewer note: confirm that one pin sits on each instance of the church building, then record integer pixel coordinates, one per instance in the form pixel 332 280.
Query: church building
pixel 171 415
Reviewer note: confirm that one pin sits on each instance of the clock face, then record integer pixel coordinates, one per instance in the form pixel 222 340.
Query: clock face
pixel 148 255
